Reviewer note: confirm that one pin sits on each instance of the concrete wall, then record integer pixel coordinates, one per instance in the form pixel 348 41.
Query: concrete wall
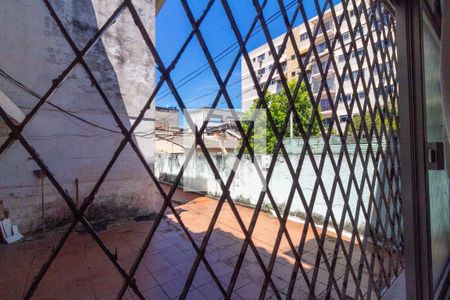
pixel 33 51
pixel 247 185
pixel 167 118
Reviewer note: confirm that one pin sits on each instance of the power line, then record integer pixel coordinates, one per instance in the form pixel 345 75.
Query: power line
pixel 202 68
pixel 195 74
pixel 36 95
pixel 222 54
pixel 269 68
pixel 32 93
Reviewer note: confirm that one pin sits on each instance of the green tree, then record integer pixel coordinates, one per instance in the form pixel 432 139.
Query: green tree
pixel 278 105
pixel 380 117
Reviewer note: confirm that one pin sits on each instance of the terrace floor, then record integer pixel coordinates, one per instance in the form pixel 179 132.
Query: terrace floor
pixel 82 271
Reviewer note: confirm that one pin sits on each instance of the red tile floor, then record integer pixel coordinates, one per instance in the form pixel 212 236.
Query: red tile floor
pixel 82 271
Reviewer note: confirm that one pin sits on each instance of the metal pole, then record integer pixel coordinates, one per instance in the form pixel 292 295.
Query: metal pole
pixel 291 125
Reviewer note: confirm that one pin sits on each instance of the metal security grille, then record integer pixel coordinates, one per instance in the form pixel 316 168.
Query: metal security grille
pixel 372 259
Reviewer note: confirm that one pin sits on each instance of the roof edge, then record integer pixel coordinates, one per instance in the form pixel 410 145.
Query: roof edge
pixel 159 5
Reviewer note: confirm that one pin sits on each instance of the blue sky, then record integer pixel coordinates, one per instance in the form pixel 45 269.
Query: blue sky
pixel 173 27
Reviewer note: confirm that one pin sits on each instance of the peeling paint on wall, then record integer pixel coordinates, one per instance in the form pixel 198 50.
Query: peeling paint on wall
pixel 34 52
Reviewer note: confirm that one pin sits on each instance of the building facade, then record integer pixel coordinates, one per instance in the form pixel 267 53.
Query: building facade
pixel 339 64
pixel 167 118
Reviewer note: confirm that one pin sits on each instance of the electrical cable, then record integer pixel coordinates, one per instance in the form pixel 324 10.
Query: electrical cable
pixel 34 94
pixel 223 53
pixel 197 73
pixel 267 68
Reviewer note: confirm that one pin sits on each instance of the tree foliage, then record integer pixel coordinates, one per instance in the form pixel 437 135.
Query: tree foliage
pixel 381 116
pixel 278 105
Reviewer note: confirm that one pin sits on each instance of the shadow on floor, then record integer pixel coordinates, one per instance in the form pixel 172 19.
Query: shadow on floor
pixel 82 271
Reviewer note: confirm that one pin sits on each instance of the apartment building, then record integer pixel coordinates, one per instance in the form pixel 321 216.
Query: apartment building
pixel 336 73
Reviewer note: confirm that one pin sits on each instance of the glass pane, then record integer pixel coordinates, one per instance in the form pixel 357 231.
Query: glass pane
pixel 438 179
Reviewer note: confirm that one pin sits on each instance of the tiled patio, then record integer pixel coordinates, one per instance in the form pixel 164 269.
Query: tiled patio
pixel 82 271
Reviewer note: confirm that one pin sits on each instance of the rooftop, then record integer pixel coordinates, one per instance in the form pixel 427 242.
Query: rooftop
pixel 81 270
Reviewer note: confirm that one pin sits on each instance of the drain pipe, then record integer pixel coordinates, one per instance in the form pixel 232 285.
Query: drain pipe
pixel 40 174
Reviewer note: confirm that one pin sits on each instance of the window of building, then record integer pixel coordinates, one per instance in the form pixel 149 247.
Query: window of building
pixel 360 9
pixel 384 91
pixel 273 81
pixel 303 36
pixel 315 86
pixel 346 36
pixel 361 95
pixel 330 83
pixel 325 105
pixel 378 25
pixel 384 44
pixel 347 97
pixel 326 121
pixel 321 47
pixel 303 57
pixel 341 58
pixel 344 118
pixel 315 69
pixel 280 50
pixel 293 74
pixel 359 32
pixel 261 71
pixel 293 57
pixel 346 76
pixel 385 69
pixel 360 52
pixel 261 57
pixel 328 26
pixel 254 59
pixel 357 74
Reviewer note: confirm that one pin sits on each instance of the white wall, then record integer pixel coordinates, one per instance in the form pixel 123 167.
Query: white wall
pixel 247 185
pixel 33 51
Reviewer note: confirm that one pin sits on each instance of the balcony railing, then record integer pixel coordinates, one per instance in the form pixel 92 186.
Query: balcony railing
pixel 331 86
pixel 316 72
pixel 328 27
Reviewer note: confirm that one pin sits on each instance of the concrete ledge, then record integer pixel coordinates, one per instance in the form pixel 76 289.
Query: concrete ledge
pixel 398 290
pixel 11 109
pixel 159 5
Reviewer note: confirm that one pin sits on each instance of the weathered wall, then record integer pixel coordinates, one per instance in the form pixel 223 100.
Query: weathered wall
pixel 167 118
pixel 33 51
pixel 247 184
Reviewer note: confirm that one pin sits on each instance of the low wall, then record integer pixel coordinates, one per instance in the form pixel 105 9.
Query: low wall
pixel 247 185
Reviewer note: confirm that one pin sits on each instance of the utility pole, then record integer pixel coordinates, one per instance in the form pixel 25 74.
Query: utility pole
pixel 291 125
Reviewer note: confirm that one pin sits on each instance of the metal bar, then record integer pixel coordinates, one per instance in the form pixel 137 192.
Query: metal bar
pixel 302 132
pixel 386 256
pixel 413 174
pixel 271 167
